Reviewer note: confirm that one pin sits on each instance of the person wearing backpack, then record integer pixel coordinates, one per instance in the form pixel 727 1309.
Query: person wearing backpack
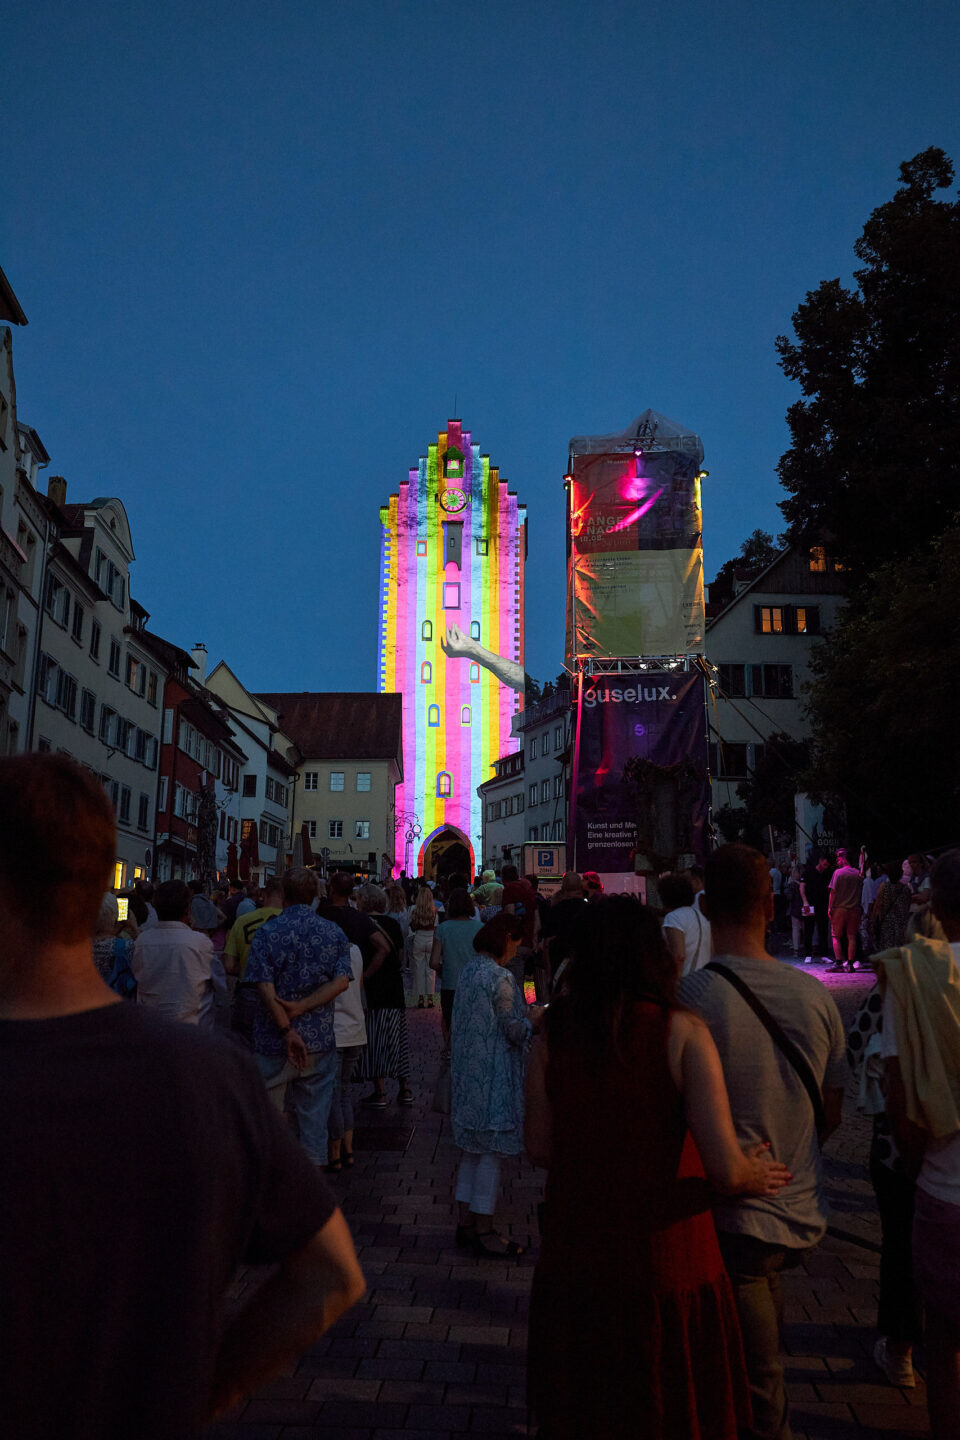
pixel 782 1045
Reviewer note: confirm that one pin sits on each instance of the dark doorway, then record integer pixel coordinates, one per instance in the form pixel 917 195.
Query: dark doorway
pixel 446 855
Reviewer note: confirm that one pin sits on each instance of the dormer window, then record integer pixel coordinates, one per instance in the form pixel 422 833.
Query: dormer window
pixel 453 464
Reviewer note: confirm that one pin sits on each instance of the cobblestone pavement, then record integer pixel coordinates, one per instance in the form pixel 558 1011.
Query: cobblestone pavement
pixel 436 1348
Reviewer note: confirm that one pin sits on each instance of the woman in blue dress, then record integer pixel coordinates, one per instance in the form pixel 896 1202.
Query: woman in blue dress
pixel 489 1036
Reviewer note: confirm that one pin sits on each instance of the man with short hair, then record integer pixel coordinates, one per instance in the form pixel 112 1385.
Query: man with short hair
pixel 246 998
pixel 843 912
pixel 769 1101
pixel 520 898
pixel 235 895
pixel 815 894
pixel 300 964
pixel 359 929
pixel 140 1164
pixel 248 900
pixel 145 890
pixel 173 964
pixel 921 1050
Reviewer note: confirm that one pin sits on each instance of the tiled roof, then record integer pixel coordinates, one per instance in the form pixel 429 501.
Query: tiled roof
pixel 345 725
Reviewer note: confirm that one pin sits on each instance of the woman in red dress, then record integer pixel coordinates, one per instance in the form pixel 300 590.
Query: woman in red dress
pixel 633 1326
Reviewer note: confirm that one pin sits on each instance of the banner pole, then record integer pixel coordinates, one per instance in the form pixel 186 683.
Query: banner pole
pixel 575 772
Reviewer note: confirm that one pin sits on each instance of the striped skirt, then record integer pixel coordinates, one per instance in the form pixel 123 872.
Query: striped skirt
pixel 387 1052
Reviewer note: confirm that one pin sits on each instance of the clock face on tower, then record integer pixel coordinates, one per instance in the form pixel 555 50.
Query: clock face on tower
pixel 453 500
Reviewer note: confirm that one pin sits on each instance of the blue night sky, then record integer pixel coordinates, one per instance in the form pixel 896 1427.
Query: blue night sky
pixel 262 248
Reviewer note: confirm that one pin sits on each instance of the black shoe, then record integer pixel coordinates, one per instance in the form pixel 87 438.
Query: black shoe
pixel 511 1250
pixel 837 968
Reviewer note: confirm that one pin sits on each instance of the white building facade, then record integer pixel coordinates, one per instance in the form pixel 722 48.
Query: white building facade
pixel 267 775
pixel 760 645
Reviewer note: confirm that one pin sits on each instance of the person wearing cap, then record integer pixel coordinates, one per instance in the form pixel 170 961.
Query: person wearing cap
pixel 592 885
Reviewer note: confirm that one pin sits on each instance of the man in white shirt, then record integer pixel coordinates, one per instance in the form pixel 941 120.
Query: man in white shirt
pixel 172 964
pixel 913 1017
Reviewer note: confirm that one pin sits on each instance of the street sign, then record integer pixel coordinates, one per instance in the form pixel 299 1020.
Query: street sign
pixel 325 853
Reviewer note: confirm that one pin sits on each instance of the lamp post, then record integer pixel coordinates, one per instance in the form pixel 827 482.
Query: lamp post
pixel 412 832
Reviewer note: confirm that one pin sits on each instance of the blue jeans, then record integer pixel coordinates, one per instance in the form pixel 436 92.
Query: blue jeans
pixel 311 1091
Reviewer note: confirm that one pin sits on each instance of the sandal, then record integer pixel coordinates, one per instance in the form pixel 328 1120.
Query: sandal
pixel 511 1250
pixel 405 1096
pixel 346 1159
pixel 378 1100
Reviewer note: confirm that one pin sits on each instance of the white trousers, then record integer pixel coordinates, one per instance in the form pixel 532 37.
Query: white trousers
pixel 478 1182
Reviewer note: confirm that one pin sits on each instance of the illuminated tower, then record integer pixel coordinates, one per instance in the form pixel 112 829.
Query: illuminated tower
pixel 452 551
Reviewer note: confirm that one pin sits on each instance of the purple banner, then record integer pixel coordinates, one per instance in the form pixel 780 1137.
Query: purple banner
pixel 641 783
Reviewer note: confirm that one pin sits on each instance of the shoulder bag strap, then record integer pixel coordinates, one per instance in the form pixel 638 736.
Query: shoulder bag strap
pixel 780 1038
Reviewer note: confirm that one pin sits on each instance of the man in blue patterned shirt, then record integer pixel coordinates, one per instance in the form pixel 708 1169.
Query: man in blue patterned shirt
pixel 300 964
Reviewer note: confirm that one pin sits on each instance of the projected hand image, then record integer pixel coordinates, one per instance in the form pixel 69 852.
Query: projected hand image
pixel 458 646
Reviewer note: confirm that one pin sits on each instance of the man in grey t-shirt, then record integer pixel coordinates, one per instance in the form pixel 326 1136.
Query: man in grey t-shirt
pixel 759 1236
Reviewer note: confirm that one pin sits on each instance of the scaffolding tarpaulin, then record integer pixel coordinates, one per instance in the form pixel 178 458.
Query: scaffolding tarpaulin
pixel 634 543
pixel 659 809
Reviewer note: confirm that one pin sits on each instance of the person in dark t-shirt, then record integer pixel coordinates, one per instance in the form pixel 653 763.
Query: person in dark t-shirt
pixel 520 898
pixel 140 1163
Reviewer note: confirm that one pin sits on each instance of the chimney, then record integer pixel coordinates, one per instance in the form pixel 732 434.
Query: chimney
pixel 199 653
pixel 57 490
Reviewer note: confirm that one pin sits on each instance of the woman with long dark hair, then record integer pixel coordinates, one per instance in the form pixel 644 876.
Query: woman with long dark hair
pixel 633 1324
pixel 453 948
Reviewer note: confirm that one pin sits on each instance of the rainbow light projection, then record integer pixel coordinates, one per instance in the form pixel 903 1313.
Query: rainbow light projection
pixel 452 551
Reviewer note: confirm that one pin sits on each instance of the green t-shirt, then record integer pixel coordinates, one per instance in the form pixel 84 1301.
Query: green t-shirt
pixel 241 936
pixel 456 948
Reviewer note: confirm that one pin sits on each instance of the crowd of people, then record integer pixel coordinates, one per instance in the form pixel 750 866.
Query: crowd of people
pixel 840 914
pixel 674 1079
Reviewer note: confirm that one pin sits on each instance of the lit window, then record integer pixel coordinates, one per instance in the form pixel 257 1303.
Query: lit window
pixel 426 630
pixel 818 560
pixel 426 673
pixel 464 714
pixel 444 785
pixel 433 715
pixel 770 619
pixel 421 547
pixel 363 781
pixel 451 595
pixel 336 779
pixel 474 629
pixel 361 830
pixel 474 674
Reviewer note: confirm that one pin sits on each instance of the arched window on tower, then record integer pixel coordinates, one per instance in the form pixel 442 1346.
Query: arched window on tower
pixel 444 785
pixel 433 715
pixel 474 674
pixel 474 629
pixel 464 714
pixel 426 673
pixel 426 630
